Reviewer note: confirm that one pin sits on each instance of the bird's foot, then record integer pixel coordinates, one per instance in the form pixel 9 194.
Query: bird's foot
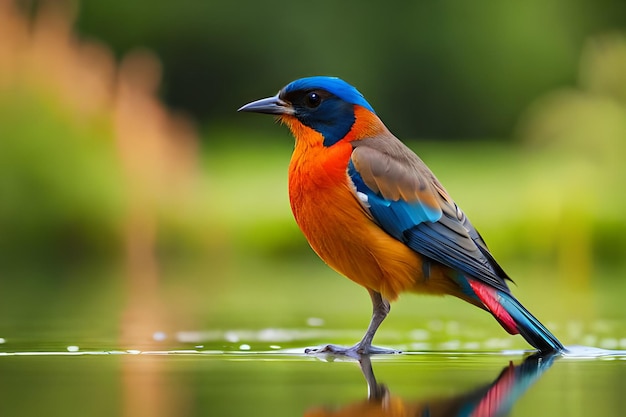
pixel 355 351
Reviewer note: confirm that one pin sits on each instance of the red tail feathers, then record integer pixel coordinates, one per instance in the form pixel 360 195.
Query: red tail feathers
pixel 489 297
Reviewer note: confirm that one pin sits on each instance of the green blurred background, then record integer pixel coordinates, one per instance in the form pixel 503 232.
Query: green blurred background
pixel 135 201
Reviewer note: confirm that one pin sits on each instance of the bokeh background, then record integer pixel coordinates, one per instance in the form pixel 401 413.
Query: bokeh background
pixel 138 209
pixel 140 212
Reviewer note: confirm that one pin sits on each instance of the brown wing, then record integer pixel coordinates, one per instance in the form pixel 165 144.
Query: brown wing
pixel 388 167
pixel 406 200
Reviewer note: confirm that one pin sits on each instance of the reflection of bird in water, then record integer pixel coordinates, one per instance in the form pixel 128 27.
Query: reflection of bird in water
pixel 373 211
pixel 490 400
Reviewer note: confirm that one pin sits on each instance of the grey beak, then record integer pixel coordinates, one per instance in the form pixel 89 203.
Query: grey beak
pixel 270 105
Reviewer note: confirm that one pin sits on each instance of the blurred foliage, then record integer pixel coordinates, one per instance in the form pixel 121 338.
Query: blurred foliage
pixel 92 162
pixel 580 134
pixel 58 181
pixel 442 69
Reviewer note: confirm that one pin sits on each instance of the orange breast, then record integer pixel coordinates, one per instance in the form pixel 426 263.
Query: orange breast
pixel 338 228
pixel 341 232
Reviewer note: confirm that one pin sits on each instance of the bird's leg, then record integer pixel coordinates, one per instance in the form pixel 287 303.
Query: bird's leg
pixel 380 309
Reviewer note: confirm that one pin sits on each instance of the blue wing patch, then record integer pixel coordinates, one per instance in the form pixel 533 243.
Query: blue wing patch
pixel 395 217
pixel 429 231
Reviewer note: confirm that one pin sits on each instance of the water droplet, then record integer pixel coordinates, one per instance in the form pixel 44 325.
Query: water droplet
pixel 159 336
pixel 609 343
pixel 451 345
pixel 453 327
pixel 244 347
pixel 589 340
pixel 72 348
pixel 471 346
pixel 419 334
pixel 420 346
pixel 315 321
pixel 435 325
pixel 497 344
pixel 231 337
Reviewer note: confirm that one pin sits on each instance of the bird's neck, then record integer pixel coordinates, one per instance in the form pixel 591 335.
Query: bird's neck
pixel 316 168
pixel 366 125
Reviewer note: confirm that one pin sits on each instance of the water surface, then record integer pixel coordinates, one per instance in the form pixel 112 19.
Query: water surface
pixel 104 342
pixel 210 383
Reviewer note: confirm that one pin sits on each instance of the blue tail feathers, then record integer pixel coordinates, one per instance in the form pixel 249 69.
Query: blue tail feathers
pixel 529 327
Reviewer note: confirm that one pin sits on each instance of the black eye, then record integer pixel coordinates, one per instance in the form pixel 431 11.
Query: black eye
pixel 313 100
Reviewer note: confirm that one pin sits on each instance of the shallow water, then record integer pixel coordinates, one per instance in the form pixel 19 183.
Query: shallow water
pixel 102 342
pixel 209 383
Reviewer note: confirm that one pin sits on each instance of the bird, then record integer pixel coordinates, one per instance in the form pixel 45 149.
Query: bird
pixel 374 212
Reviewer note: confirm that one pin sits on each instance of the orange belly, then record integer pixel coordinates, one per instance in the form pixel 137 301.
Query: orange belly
pixel 340 231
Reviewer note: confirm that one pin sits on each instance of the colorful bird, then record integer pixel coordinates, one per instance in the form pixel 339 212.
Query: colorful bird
pixel 374 212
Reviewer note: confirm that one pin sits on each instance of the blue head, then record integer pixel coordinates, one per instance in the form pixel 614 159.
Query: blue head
pixel 325 104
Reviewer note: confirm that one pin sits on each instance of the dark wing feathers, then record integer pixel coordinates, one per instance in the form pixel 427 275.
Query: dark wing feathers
pixel 448 242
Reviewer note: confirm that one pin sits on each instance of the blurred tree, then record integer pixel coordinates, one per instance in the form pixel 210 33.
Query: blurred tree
pixel 580 135
pixel 433 69
pixel 88 153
